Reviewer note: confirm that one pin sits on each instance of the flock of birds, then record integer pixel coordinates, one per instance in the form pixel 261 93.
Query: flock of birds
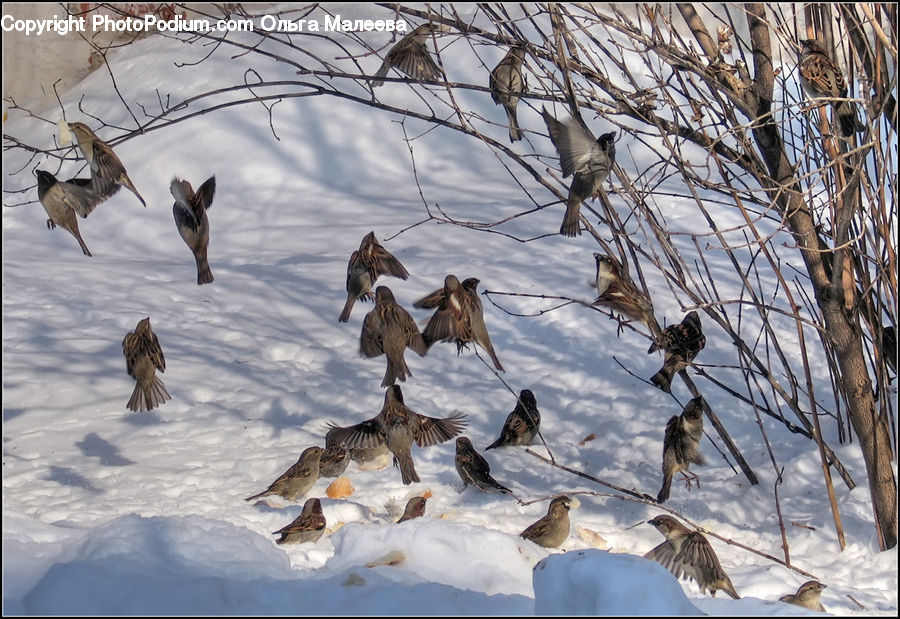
pixel 389 329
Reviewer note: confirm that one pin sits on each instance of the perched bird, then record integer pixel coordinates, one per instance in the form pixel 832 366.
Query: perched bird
pixel 889 346
pixel 61 200
pixel 307 527
pixel 681 445
pixel 415 508
pixel 366 264
pixel 143 356
pixel 522 424
pixel 553 529
pixel 688 554
pixel 397 427
pixel 474 469
pixel 389 330
pixel 822 78
pixel 193 225
pixel 617 291
pixel 410 55
pixel 807 596
pixel 507 85
pixel 297 480
pixel 681 344
pixel 588 160
pixel 105 164
pixel 459 316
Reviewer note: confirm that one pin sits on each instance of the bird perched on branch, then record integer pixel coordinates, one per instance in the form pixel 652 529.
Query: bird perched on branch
pixel 617 291
pixel 474 470
pixel 553 529
pixel 822 78
pixel 507 85
pixel 398 427
pixel 193 225
pixel 807 596
pixel 415 508
pixel 61 200
pixel 410 55
pixel 681 445
pixel 389 330
pixel 307 527
pixel 522 424
pixel 143 357
pixel 297 480
pixel 105 165
pixel 459 317
pixel 588 160
pixel 688 554
pixel 366 265
pixel 681 344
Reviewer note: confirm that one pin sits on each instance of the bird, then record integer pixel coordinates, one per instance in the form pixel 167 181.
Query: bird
pixel 193 225
pixel 307 527
pixel 807 596
pixel 507 85
pixel 366 264
pixel 415 508
pixel 297 480
pixel 334 461
pixel 105 164
pixel 61 200
pixel 688 554
pixel 410 55
pixel 889 346
pixel 522 424
pixel 143 356
pixel 681 344
pixel 398 427
pixel 617 291
pixel 360 455
pixel 588 160
pixel 459 316
pixel 389 330
pixel 551 530
pixel 822 78
pixel 474 470
pixel 681 445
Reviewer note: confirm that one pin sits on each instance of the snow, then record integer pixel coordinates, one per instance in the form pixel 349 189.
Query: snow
pixel 111 512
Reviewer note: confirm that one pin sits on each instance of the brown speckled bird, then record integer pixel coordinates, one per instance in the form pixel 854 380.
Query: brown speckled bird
pixel 688 554
pixel 193 224
pixel 307 527
pixel 334 461
pixel 822 78
pixel 474 470
pixel 507 85
pixel 586 159
pixel 522 424
pixel 297 480
pixel 410 55
pixel 807 596
pixel 105 164
pixel 61 200
pixel 398 427
pixel 617 291
pixel 415 508
pixel 366 265
pixel 143 357
pixel 553 529
pixel 389 330
pixel 681 445
pixel 681 344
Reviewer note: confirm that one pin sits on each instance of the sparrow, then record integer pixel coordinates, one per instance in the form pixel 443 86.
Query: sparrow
pixel 474 469
pixel 553 529
pixel 522 424
pixel 105 164
pixel 807 596
pixel 193 225
pixel 143 356
pixel 334 461
pixel 681 445
pixel 307 527
pixel 61 200
pixel 588 160
pixel 889 346
pixel 366 264
pixel 415 507
pixel 389 330
pixel 617 291
pixel 507 85
pixel 459 316
pixel 410 55
pixel 297 480
pixel 397 427
pixel 681 344
pixel 822 78
pixel 688 554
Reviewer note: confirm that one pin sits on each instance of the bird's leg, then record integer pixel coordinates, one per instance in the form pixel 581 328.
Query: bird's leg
pixel 50 224
pixel 690 477
pixel 461 346
pixel 368 297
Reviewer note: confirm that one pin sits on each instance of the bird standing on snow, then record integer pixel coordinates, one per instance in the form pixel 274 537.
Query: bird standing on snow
pixel 681 445
pixel 522 424
pixel 307 527
pixel 474 470
pixel 297 480
pixel 389 330
pixel 106 167
pixel 143 356
pixel 507 85
pixel 193 225
pixel 366 265
pixel 807 596
pixel 553 529
pixel 415 508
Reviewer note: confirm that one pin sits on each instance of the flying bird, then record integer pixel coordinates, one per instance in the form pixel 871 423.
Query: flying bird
pixel 61 200
pixel 507 85
pixel 143 357
pixel 389 330
pixel 366 265
pixel 522 424
pixel 410 55
pixel 193 225
pixel 105 165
